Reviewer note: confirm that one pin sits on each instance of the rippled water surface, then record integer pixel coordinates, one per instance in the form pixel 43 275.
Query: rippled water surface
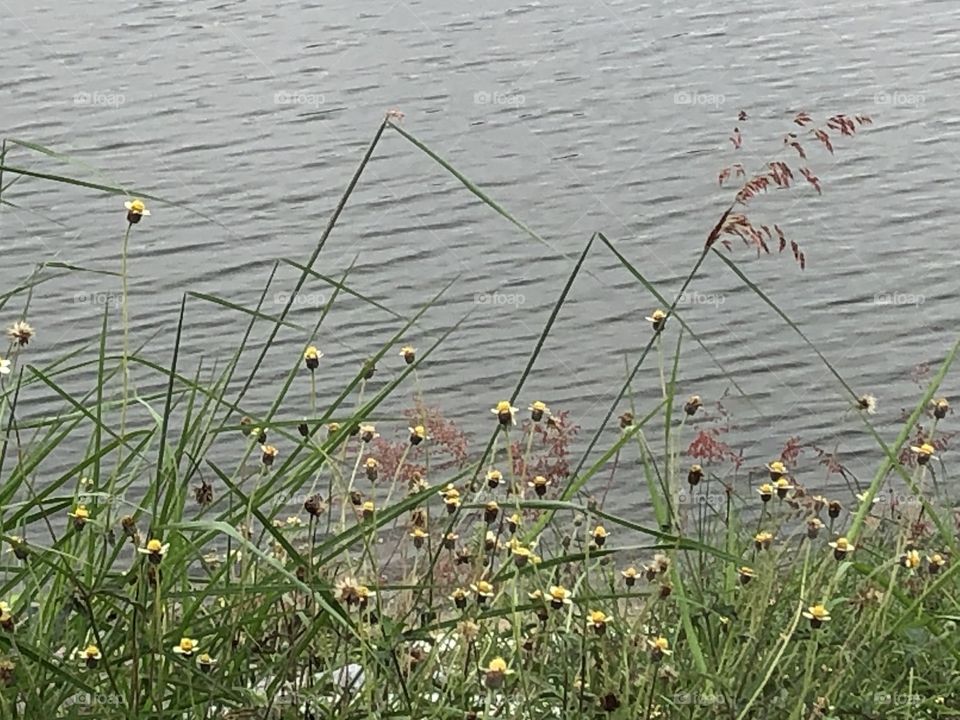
pixel 577 116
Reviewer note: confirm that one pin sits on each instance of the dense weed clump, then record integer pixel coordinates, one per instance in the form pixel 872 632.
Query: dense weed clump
pixel 349 564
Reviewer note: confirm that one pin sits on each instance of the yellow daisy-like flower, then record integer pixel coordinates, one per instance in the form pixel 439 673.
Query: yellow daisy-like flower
pixel 494 478
pixel 694 403
pixel 782 485
pixel 940 408
pixel 20 333
pixel 695 474
pixel 630 576
pixel 910 560
pixel 419 537
pixel 521 554
pixel 367 509
pixel 600 535
pixel 762 540
pixel 459 598
pixel 598 620
pixel 372 467
pixel 155 550
pixel 417 434
pixel 483 590
pixel 776 469
pixel 766 492
pixel 368 433
pixel 205 662
pixel 658 319
pixel 935 563
pixel 311 358
pixel 841 548
pixel 817 615
pixel 409 354
pixel 186 647
pixel 746 574
pixel 513 522
pixel 559 596
pixel 924 452
pixel 268 453
pixel 90 655
pixel 495 673
pixel 505 413
pixel 135 210
pixel 80 516
pixel 538 410
pixel 659 647
pixel 539 485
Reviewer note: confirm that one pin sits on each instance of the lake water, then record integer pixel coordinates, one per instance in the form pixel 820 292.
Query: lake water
pixel 577 116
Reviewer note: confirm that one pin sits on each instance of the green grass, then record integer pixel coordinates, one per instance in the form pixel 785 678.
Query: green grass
pixel 327 607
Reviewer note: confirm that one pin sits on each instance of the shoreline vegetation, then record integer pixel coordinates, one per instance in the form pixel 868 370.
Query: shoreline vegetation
pixel 439 576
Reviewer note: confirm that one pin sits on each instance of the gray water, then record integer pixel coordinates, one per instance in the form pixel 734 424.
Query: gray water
pixel 577 116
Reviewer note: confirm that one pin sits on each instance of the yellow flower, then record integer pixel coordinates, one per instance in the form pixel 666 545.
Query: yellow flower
pixel 409 354
pixel 630 576
pixel 776 469
pixel 513 522
pixel 483 590
pixel 186 647
pixel 940 408
pixel 135 210
pixel 521 554
pixel 600 535
pixel 459 597
pixel 352 592
pixel 817 615
pixel 746 574
pixel 494 478
pixel 539 485
pixel 20 332
pixel 910 560
pixel 495 672
pixel 657 320
pixel 762 540
pixel 419 536
pixel 782 485
pixel 311 357
pixel 935 563
pixel 417 434
pixel 559 596
pixel 367 509
pixel 841 548
pixel 693 404
pixel 155 549
pixel 368 433
pixel 659 647
pixel 372 468
pixel 537 411
pixel 505 413
pixel 695 474
pixel 80 516
pixel 766 491
pixel 814 526
pixel 598 619
pixel 924 452
pixel 90 655
pixel 268 453
pixel 205 662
